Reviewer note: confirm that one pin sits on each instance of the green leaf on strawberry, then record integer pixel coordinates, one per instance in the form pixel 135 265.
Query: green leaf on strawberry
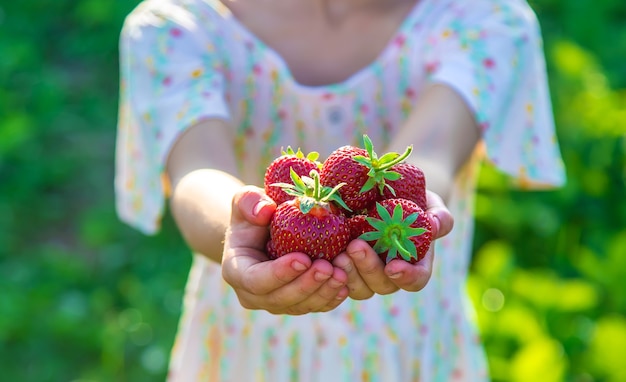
pixel 313 156
pixel 279 171
pixel 310 191
pixel 379 168
pixel 395 234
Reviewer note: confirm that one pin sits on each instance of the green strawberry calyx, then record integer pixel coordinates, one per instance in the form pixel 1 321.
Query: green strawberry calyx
pixel 379 168
pixel 310 192
pixel 313 156
pixel 392 233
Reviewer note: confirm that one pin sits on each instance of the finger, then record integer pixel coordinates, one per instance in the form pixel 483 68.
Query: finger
pixel 357 287
pixel 411 277
pixel 247 270
pixel 326 297
pixel 441 218
pixel 289 294
pixel 370 267
pixel 341 296
pixel 302 287
pixel 250 215
pixel 252 205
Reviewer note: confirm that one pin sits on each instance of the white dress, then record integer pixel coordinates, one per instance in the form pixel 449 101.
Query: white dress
pixel 184 60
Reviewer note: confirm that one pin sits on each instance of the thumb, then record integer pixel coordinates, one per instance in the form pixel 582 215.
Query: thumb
pixel 251 205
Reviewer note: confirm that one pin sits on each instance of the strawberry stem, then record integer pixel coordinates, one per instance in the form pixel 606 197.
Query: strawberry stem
pixel 316 184
pixel 398 159
pixel 396 242
pixel 386 161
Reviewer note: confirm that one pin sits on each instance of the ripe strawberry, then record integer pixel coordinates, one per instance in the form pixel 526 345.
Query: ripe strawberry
pixel 340 167
pixel 400 229
pixel 363 172
pixel 278 171
pixel 271 251
pixel 358 225
pixel 311 222
pixel 411 185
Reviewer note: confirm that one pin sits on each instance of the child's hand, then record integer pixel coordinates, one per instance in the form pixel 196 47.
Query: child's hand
pixel 291 284
pixel 368 275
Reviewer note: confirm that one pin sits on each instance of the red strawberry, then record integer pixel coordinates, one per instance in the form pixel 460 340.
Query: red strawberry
pixel 340 167
pixel 411 185
pixel 362 171
pixel 310 223
pixel 400 229
pixel 358 225
pixel 271 251
pixel 278 172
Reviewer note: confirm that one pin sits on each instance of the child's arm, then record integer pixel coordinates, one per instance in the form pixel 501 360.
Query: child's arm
pixel 444 134
pixel 201 194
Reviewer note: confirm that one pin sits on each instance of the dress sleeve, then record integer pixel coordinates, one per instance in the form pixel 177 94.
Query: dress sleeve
pixel 170 78
pixel 491 52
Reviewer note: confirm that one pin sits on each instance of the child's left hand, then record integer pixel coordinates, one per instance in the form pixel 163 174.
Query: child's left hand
pixel 367 275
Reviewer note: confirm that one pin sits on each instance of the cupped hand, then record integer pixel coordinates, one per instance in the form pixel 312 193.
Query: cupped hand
pixel 368 275
pixel 291 284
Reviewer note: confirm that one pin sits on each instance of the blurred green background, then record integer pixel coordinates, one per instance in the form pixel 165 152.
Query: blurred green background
pixel 86 298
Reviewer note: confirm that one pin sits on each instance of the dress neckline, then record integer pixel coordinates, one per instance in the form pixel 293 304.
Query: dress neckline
pixel 351 81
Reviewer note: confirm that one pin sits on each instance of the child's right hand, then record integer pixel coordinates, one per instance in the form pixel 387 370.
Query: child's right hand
pixel 293 283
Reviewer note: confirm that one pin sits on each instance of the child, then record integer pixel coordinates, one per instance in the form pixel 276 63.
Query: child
pixel 210 93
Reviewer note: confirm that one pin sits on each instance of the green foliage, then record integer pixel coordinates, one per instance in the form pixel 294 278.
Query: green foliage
pixel 85 298
pixel 82 297
pixel 549 269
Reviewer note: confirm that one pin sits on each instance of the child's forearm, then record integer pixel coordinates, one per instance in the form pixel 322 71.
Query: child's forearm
pixel 202 195
pixel 201 207
pixel 444 134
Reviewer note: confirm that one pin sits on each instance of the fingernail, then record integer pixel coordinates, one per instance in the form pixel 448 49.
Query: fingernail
pixel 298 266
pixel 358 255
pixel 395 275
pixel 259 206
pixel 319 276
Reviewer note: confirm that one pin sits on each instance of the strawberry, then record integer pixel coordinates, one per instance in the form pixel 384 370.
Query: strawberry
pixel 411 185
pixel 279 170
pixel 312 222
pixel 271 251
pixel 400 229
pixel 363 172
pixel 340 167
pixel 358 225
